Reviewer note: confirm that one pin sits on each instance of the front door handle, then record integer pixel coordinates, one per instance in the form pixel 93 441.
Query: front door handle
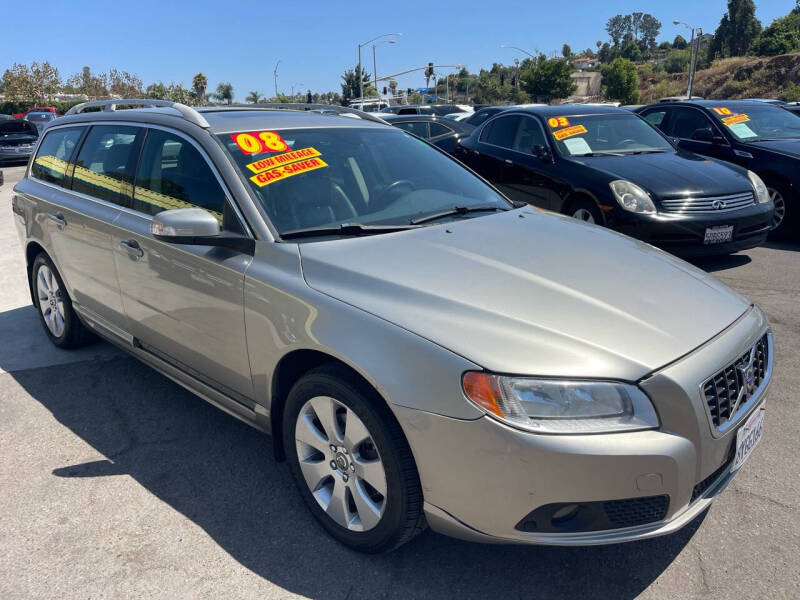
pixel 132 247
pixel 509 162
pixel 58 219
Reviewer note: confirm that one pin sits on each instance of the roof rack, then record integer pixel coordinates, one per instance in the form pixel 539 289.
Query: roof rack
pixel 187 112
pixel 300 106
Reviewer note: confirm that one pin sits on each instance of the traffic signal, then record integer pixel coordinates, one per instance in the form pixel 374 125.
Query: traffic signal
pixel 385 90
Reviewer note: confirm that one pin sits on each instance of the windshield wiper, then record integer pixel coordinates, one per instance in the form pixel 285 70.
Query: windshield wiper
pixel 350 229
pixel 597 154
pixel 457 210
pixel 656 151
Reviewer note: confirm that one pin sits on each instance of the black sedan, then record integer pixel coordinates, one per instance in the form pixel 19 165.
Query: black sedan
pixel 17 138
pixel 422 109
pixel 439 131
pixel 608 166
pixel 759 136
pixel 479 117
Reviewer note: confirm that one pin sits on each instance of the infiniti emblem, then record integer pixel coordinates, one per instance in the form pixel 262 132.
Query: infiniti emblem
pixel 718 204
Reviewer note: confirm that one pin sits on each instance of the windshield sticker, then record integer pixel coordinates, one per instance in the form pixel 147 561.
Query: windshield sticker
pixel 721 110
pixel 285 171
pixel 735 119
pixel 577 146
pixel 742 131
pixel 569 132
pixel 556 122
pixel 259 142
pixel 265 164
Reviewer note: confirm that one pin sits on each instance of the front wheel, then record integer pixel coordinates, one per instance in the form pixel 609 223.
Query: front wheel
pixel 58 318
pixel 781 220
pixel 585 210
pixel 351 461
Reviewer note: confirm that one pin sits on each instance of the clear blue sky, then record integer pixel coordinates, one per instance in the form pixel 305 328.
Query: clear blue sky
pixel 236 41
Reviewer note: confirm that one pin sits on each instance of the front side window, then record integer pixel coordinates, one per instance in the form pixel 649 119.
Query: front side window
pixel 415 127
pixel 605 134
pixel 325 177
pixel 687 121
pixel 529 135
pixel 656 117
pixel 106 161
pixel 757 122
pixel 502 131
pixel 438 129
pixel 173 174
pixel 54 154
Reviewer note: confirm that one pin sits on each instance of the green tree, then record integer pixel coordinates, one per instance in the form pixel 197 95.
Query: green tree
pixel 649 28
pixel 37 83
pixel 157 91
pixel 224 93
pixel 737 30
pixel 252 97
pixel 566 51
pixel 548 79
pixel 631 51
pixel 607 53
pixel 677 61
pixel 199 85
pixel 620 81
pixel 680 42
pixel 351 83
pixel 124 84
pixel 617 26
pixel 87 83
pixel 781 37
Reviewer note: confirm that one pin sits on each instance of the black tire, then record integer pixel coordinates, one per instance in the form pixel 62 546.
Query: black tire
pixel 585 204
pixel 75 333
pixel 788 224
pixel 403 516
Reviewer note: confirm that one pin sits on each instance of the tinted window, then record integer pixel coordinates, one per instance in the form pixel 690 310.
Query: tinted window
pixel 105 163
pixel 685 121
pixel 415 127
pixel 407 111
pixel 54 154
pixel 173 174
pixel 757 121
pixel 502 131
pixel 656 117
pixel 480 116
pixel 611 133
pixel 529 134
pixel 439 129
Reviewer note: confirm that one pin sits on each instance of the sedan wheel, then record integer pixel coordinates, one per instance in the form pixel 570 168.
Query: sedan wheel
pixel 340 464
pixel 780 207
pixel 51 302
pixel 583 214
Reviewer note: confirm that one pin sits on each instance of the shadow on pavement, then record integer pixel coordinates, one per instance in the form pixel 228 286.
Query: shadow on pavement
pixel 720 263
pixel 221 474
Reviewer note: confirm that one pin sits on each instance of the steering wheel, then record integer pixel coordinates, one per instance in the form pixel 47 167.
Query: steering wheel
pixel 385 199
pixel 628 142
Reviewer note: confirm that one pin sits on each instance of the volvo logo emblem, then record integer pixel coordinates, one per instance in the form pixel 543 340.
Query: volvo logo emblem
pixel 747 380
pixel 718 204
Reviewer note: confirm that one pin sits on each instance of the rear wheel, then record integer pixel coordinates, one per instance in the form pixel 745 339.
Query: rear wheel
pixel 58 318
pixel 585 210
pixel 351 462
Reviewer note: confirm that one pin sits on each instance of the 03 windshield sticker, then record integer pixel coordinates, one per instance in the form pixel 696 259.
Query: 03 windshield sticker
pixel 265 164
pixel 286 171
pixel 556 122
pixel 569 132
pixel 735 119
pixel 260 142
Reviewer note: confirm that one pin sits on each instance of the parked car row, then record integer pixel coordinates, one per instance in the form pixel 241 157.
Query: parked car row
pixel 422 350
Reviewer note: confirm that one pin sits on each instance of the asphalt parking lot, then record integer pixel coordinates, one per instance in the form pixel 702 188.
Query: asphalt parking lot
pixel 115 482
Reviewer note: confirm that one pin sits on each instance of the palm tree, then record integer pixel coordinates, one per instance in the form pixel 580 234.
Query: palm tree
pixel 224 93
pixel 199 83
pixel 252 97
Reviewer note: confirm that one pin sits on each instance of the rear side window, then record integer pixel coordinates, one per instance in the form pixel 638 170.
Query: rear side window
pixel 502 131
pixel 415 127
pixel 54 153
pixel 173 174
pixel 438 129
pixel 106 161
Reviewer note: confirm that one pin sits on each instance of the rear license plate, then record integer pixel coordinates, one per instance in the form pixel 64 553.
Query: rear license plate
pixel 748 437
pixel 718 235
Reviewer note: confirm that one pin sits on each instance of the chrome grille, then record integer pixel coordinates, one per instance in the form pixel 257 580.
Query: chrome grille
pixel 733 386
pixel 708 204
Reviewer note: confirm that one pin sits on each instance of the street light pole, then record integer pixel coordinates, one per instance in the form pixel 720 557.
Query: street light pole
pixel 275 73
pixel 694 50
pixel 360 70
pixel 516 74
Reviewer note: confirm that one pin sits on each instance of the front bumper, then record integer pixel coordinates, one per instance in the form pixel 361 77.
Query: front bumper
pixel 482 478
pixel 10 154
pixel 683 234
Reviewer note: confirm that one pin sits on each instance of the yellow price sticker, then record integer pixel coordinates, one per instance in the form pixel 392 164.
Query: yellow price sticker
pixel 286 171
pixel 556 122
pixel 735 119
pixel 265 164
pixel 569 132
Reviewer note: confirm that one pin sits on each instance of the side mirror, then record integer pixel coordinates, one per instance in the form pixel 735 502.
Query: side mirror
pixel 705 134
pixel 543 153
pixel 198 227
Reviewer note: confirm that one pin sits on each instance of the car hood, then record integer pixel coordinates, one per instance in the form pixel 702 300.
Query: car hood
pixel 671 174
pixel 17 127
pixel 787 147
pixel 528 293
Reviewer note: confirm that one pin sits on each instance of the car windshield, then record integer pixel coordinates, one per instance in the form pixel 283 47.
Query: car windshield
pixel 758 121
pixel 606 134
pixel 325 177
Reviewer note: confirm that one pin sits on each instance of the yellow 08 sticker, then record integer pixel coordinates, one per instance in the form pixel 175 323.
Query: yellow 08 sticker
pixel 286 171
pixel 569 132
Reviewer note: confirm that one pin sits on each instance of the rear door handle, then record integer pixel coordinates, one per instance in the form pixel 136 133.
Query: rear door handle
pixel 58 219
pixel 509 162
pixel 132 247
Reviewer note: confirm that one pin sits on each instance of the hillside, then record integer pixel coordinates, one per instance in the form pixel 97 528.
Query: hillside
pixel 744 77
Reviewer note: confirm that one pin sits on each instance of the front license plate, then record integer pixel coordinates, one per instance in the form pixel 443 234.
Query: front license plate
pixel 718 235
pixel 748 437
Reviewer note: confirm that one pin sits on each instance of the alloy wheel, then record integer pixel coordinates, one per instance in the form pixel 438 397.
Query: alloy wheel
pixel 583 214
pixel 780 207
pixel 340 463
pixel 51 303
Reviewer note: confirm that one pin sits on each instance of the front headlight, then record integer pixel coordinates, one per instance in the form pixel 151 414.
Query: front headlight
pixel 557 406
pixel 759 187
pixel 631 197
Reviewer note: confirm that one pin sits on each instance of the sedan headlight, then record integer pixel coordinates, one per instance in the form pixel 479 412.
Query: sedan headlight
pixel 631 197
pixel 558 406
pixel 759 187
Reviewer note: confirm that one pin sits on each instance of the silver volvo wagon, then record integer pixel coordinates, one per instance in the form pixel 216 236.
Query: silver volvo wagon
pixel 422 351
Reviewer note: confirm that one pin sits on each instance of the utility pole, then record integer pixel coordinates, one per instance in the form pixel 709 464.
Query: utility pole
pixel 360 70
pixel 275 73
